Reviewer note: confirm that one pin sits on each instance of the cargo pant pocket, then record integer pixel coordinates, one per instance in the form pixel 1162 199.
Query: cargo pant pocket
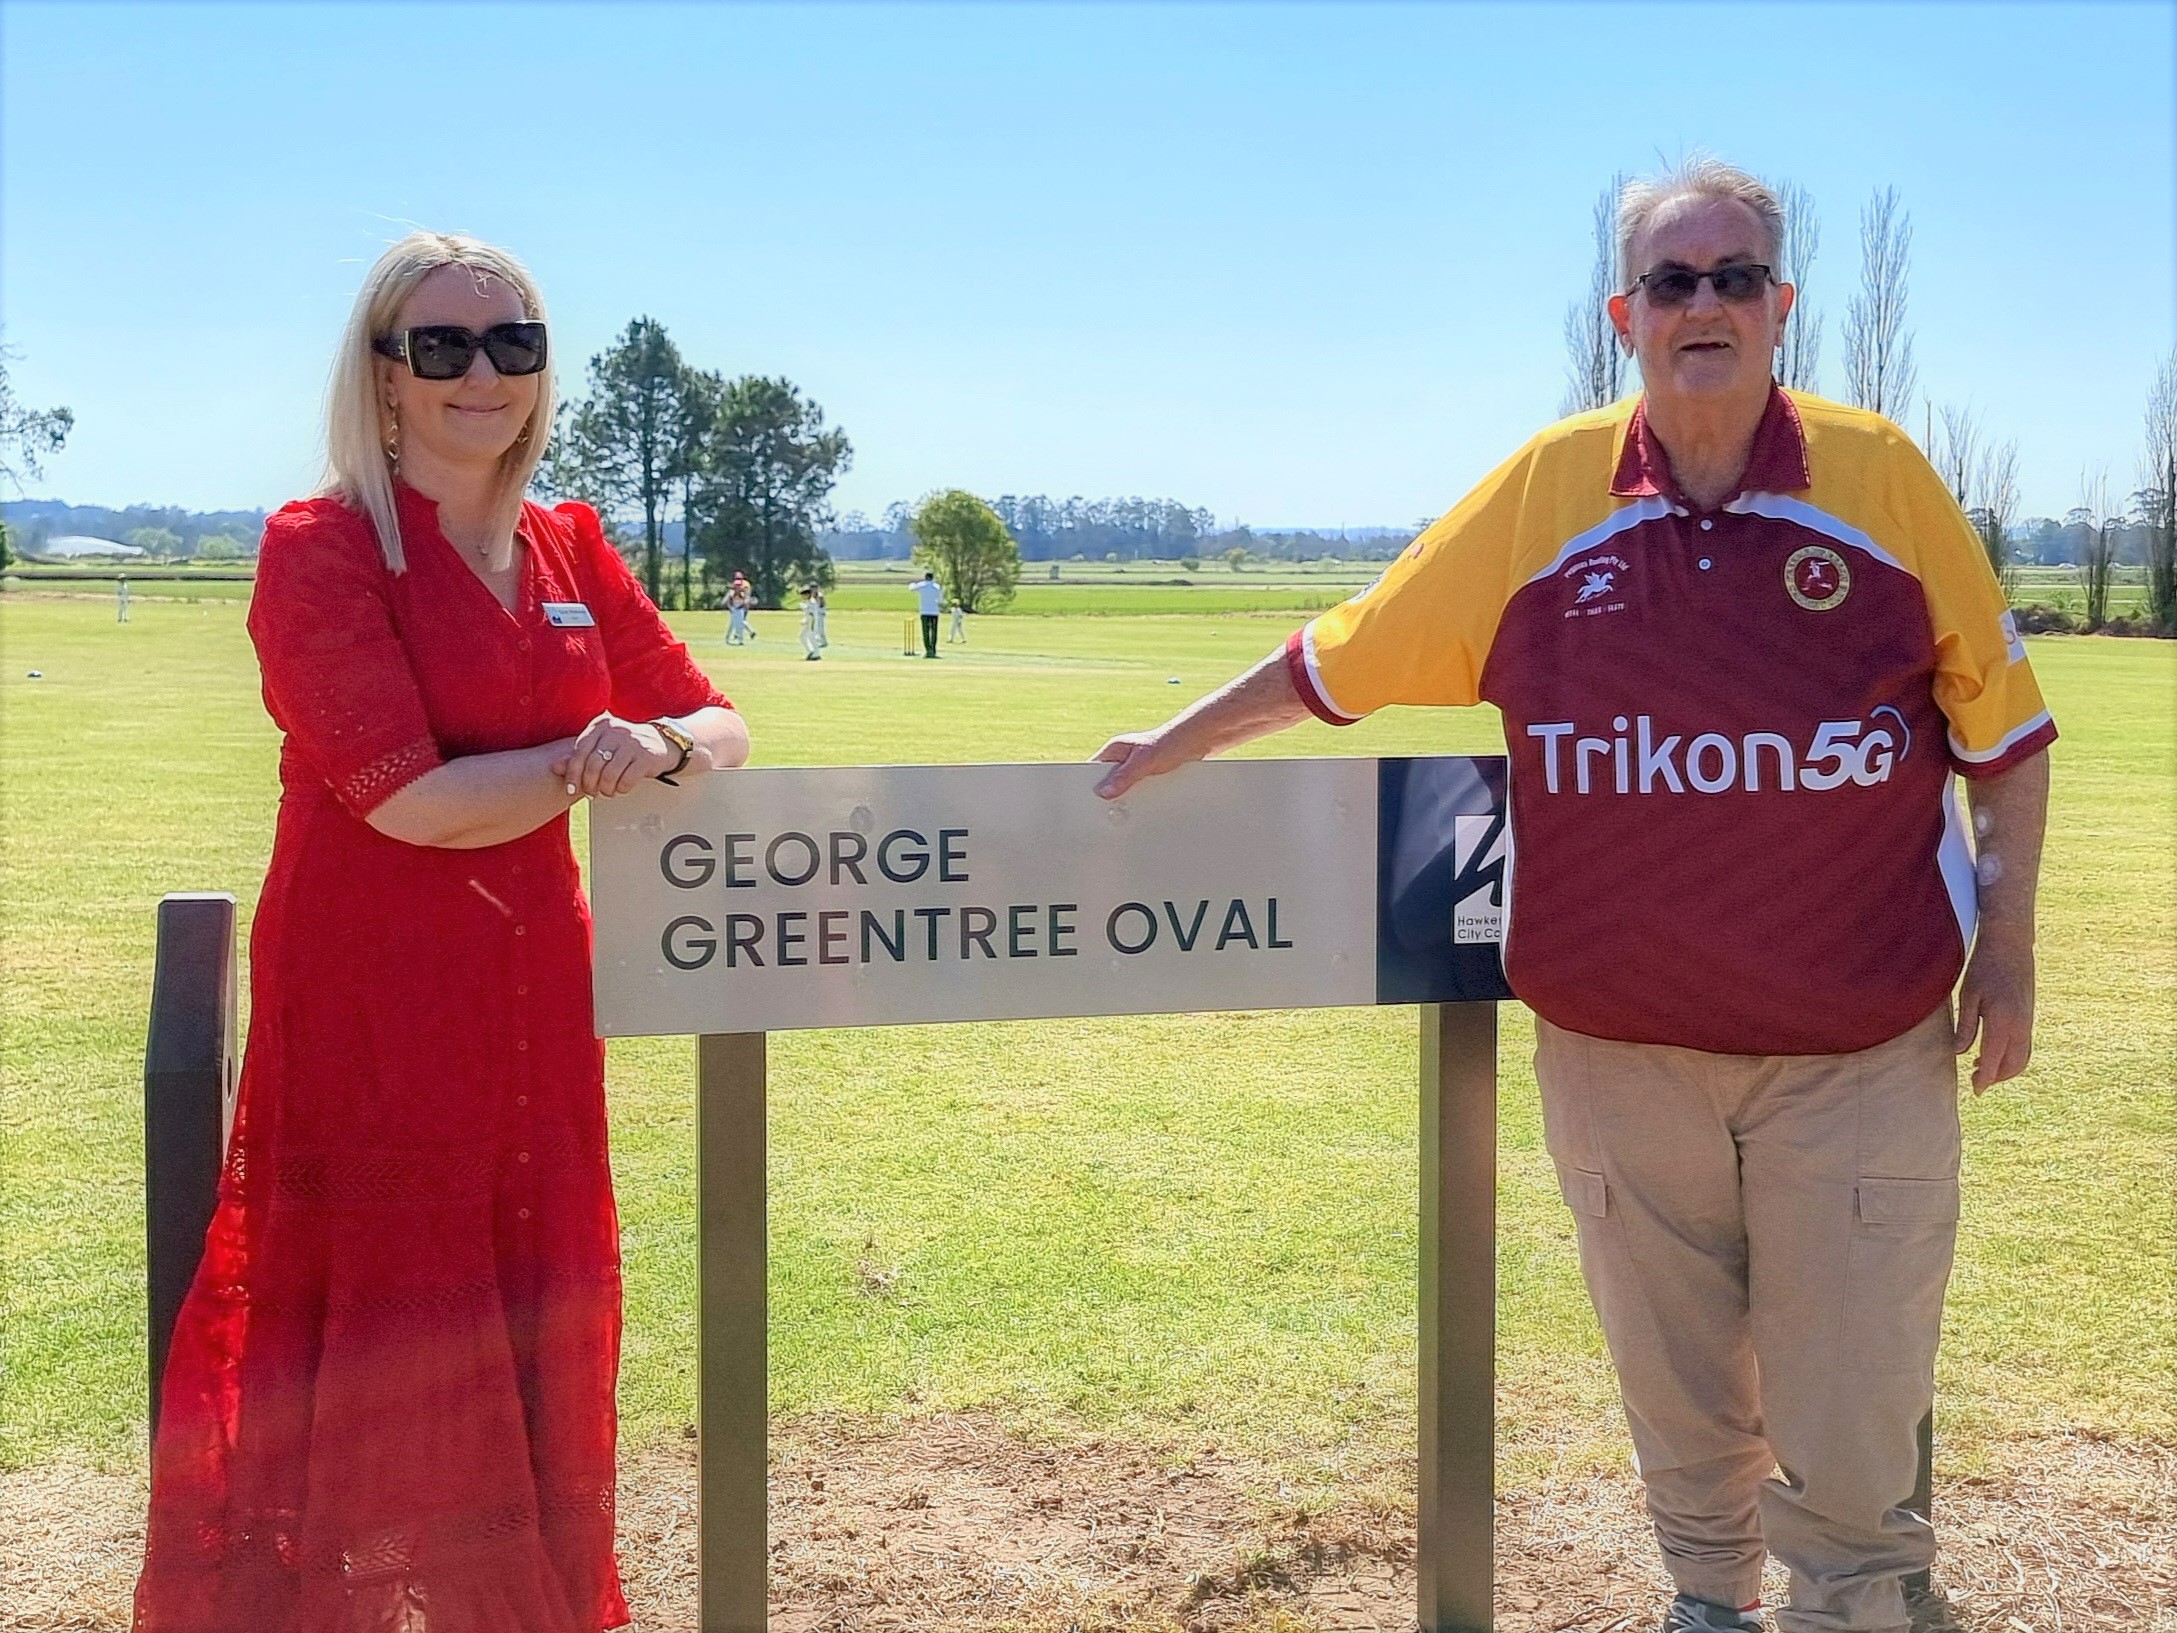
pixel 1904 1235
pixel 1584 1191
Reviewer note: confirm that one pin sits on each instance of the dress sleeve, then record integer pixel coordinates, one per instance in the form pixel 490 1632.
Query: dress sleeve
pixel 337 679
pixel 1420 634
pixel 1983 683
pixel 652 673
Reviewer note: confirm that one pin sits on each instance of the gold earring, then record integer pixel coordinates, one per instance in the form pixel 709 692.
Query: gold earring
pixel 393 436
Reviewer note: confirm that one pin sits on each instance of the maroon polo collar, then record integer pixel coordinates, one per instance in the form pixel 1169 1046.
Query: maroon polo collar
pixel 1777 463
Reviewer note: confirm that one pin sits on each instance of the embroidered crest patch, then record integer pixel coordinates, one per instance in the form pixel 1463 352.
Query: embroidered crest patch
pixel 1817 578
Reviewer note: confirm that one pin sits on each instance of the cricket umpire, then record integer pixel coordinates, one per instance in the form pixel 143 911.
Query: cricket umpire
pixel 1744 642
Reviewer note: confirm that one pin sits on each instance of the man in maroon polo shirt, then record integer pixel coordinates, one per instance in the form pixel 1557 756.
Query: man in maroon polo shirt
pixel 1744 644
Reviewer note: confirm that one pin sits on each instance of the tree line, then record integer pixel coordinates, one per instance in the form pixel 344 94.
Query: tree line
pixel 166 532
pixel 1113 530
pixel 2106 529
pixel 1048 529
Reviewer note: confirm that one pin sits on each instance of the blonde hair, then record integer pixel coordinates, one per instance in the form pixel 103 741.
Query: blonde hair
pixel 356 467
pixel 1697 176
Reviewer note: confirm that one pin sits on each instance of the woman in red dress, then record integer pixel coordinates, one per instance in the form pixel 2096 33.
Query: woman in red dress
pixel 389 1402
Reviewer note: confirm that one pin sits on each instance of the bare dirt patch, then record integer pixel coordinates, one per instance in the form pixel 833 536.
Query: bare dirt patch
pixel 960 1523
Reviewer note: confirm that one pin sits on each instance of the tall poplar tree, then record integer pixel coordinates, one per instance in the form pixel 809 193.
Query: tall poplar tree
pixel 1878 366
pixel 2158 492
pixel 702 391
pixel 1595 363
pixel 1799 358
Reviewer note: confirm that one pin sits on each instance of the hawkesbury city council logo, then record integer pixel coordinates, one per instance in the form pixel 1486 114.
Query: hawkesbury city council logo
pixel 1477 870
pixel 1817 578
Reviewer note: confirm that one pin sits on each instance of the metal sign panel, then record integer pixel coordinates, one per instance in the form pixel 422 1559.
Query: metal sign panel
pixel 762 901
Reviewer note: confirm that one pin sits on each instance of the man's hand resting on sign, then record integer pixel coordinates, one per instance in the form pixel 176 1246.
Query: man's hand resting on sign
pixel 1258 703
pixel 1139 754
pixel 613 755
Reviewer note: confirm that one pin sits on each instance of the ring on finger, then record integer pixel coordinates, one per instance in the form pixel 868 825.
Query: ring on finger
pixel 602 752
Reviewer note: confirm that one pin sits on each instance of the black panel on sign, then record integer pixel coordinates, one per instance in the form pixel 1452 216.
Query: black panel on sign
pixel 1442 878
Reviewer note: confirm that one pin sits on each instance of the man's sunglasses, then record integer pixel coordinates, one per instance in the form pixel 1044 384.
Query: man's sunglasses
pixel 444 351
pixel 1739 282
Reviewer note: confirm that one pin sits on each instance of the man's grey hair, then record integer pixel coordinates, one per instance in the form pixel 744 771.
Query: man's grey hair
pixel 1698 176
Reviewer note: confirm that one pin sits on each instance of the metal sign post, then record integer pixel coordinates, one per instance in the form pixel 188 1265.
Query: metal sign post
pixel 732 1402
pixel 1455 1518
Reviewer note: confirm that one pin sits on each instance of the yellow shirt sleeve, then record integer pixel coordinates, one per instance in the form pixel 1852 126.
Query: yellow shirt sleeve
pixel 1421 633
pixel 1983 683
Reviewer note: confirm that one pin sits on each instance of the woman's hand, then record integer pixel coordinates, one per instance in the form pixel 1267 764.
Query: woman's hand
pixel 613 755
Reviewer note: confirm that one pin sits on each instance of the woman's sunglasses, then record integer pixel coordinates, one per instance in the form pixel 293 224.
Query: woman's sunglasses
pixel 444 351
pixel 1738 283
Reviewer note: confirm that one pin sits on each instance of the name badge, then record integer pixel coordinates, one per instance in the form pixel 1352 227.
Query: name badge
pixel 568 615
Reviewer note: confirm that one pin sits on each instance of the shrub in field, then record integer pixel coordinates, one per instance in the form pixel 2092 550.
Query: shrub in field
pixel 161 542
pixel 962 540
pixel 2038 619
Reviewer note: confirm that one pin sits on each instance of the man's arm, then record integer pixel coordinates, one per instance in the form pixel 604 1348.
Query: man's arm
pixel 2010 814
pixel 1258 703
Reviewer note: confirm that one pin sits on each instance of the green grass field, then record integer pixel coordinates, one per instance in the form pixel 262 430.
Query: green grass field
pixel 1195 1224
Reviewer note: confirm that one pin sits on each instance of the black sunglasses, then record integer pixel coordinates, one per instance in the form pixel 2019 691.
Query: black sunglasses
pixel 1738 282
pixel 444 351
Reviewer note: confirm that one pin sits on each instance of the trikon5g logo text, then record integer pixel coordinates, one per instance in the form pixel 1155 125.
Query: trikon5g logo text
pixel 1634 760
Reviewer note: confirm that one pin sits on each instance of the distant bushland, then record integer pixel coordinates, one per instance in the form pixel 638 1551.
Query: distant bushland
pixel 166 530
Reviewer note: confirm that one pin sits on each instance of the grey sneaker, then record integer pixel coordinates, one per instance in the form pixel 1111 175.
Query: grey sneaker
pixel 1690 1615
pixel 1929 1608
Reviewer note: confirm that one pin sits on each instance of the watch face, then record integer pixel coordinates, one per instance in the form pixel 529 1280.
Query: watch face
pixel 680 740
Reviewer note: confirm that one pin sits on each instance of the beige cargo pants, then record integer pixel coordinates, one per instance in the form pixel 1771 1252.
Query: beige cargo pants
pixel 1767 1240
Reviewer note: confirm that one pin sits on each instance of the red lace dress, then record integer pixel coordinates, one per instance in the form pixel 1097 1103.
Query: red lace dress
pixel 389 1405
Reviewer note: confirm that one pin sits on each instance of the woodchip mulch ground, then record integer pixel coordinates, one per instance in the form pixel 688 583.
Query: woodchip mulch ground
pixel 957 1523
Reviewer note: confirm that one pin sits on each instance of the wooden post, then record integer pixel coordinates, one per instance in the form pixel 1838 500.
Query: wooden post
pixel 1455 1545
pixel 733 1408
pixel 190 1057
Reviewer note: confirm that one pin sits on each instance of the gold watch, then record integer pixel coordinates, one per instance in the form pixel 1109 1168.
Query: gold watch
pixel 680 740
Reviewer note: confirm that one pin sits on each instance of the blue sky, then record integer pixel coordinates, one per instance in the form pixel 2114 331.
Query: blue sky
pixel 1304 266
